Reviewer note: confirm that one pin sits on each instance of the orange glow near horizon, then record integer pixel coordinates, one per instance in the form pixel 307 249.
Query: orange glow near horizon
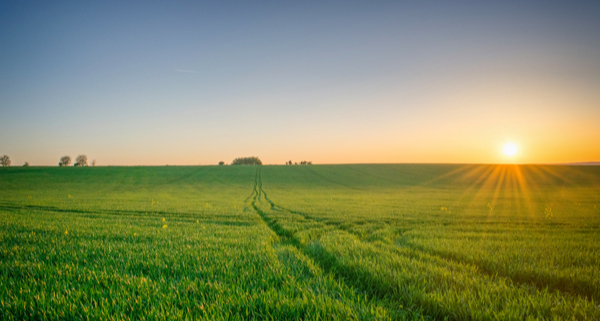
pixel 491 186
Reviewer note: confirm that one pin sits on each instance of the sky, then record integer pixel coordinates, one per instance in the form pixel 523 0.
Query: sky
pixel 188 83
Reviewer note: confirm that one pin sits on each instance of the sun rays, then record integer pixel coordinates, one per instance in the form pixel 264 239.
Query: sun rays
pixel 501 190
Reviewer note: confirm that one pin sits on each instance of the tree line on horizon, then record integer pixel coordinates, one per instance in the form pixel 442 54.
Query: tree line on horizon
pixel 80 161
pixel 301 163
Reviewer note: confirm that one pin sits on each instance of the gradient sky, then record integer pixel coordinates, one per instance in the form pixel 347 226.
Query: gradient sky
pixel 154 83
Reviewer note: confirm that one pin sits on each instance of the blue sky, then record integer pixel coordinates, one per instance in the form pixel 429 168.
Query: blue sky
pixel 156 83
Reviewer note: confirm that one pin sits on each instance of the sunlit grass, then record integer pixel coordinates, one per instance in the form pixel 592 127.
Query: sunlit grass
pixel 300 242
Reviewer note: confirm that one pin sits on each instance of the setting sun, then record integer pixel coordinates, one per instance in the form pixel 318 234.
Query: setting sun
pixel 510 149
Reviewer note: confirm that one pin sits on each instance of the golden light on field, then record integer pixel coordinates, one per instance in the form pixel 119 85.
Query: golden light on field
pixel 510 149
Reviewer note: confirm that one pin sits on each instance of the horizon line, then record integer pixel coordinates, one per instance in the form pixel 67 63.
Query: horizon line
pixel 277 164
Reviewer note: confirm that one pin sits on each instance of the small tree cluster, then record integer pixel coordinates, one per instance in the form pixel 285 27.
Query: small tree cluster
pixel 301 163
pixel 64 161
pixel 247 161
pixel 80 161
pixel 5 161
pixel 221 163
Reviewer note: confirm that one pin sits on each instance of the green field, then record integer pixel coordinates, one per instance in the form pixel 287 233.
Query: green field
pixel 366 242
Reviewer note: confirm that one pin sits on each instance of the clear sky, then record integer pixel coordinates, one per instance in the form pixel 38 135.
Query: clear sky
pixel 166 82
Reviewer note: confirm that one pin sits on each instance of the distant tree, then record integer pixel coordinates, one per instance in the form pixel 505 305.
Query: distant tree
pixel 247 161
pixel 5 161
pixel 94 162
pixel 309 163
pixel 221 163
pixel 64 161
pixel 26 164
pixel 289 163
pixel 81 161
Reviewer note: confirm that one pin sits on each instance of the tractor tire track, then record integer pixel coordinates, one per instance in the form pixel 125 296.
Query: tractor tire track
pixel 285 238
pixel 324 260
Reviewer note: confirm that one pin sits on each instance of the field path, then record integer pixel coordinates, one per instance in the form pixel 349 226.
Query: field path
pixel 325 260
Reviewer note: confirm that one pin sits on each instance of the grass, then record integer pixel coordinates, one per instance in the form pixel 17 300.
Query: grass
pixel 365 242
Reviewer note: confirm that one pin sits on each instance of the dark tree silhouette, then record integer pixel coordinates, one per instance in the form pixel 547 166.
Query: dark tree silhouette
pixel 64 161
pixel 5 161
pixel 221 163
pixel 81 161
pixel 247 161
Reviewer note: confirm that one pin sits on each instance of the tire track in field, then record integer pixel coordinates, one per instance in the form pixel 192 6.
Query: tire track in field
pixel 286 239
pixel 325 261
pixel 288 235
pixel 258 190
pixel 256 194
pixel 254 189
